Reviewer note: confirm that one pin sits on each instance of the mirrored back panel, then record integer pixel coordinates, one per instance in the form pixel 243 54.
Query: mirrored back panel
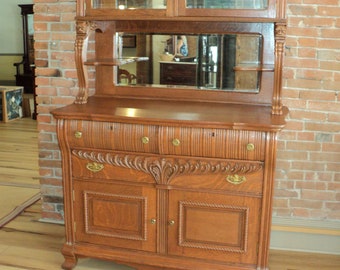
pixel 220 62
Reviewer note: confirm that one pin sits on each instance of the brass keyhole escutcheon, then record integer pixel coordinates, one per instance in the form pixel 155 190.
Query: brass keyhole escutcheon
pixel 171 223
pixel 94 167
pixel 78 134
pixel 250 147
pixel 145 140
pixel 153 221
pixel 236 179
pixel 176 142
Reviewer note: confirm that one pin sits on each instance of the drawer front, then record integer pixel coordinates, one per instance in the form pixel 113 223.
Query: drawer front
pixel 233 181
pixel 113 136
pixel 106 166
pixel 217 143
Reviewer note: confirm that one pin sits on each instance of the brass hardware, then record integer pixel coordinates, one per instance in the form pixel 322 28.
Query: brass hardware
pixel 171 222
pixel 78 134
pixel 145 140
pixel 236 179
pixel 153 221
pixel 94 167
pixel 176 142
pixel 250 147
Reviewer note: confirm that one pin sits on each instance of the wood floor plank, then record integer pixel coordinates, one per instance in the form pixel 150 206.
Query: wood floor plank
pixel 19 152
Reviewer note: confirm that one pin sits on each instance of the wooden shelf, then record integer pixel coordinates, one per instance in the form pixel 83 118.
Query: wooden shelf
pixel 264 68
pixel 114 61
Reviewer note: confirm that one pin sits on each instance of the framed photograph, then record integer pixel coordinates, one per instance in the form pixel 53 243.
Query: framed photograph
pixel 11 102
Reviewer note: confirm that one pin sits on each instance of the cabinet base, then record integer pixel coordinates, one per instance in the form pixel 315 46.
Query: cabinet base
pixel 139 261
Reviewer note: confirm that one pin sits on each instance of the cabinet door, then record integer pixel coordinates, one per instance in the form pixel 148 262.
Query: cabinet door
pixel 115 215
pixel 214 226
pixel 238 8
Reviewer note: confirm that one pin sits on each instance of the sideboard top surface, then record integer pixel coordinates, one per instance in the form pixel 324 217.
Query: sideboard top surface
pixel 176 113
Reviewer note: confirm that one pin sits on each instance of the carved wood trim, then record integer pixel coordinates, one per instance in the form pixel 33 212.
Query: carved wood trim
pixel 84 29
pixel 163 169
pixel 280 39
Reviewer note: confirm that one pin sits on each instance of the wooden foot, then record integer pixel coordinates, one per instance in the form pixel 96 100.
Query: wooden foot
pixel 70 259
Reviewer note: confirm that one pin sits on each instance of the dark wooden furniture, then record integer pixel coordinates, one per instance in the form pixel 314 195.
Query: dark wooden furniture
pixel 171 177
pixel 25 70
pixel 178 73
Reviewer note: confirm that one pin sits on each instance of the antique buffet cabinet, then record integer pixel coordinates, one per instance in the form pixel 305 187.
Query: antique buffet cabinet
pixel 173 176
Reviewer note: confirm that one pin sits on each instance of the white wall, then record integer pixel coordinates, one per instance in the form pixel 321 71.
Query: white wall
pixel 11 26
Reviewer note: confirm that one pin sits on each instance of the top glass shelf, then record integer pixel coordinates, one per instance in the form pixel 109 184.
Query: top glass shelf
pixel 128 4
pixel 179 9
pixel 227 4
pixel 162 4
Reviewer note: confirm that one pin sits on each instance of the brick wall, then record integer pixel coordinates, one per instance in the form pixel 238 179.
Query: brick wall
pixel 308 167
pixel 308 170
pixel 56 86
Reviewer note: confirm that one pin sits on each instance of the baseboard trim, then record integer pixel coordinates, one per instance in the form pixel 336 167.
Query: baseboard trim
pixel 306 236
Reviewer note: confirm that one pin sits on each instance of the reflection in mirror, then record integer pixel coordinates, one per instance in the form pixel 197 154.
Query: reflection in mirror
pixel 229 62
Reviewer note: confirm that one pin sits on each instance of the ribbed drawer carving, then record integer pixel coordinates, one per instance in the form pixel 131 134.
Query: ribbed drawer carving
pixel 115 136
pixel 218 143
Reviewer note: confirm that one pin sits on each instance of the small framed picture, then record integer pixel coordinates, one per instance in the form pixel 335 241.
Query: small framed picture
pixel 11 102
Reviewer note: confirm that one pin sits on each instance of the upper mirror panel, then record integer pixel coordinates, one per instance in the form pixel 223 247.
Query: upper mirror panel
pixel 227 4
pixel 129 4
pixel 229 62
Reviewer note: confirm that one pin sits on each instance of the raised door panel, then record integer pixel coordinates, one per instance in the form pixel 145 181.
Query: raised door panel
pixel 214 227
pixel 115 215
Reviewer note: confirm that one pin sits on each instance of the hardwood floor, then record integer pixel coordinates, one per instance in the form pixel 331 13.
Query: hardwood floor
pixel 26 243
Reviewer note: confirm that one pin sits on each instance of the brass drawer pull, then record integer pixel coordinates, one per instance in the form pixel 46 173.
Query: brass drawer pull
pixel 145 140
pixel 176 142
pixel 94 167
pixel 153 221
pixel 250 147
pixel 236 179
pixel 78 134
pixel 171 223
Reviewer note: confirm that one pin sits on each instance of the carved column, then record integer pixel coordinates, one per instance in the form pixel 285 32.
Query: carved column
pixel 83 30
pixel 280 39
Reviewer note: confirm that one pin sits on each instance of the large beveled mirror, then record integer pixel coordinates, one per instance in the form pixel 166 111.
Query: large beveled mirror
pixel 220 62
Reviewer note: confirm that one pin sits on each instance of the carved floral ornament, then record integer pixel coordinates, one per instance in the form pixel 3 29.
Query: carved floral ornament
pixel 85 27
pixel 166 168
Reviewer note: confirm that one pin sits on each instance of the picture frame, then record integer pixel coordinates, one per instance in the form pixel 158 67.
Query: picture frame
pixel 11 100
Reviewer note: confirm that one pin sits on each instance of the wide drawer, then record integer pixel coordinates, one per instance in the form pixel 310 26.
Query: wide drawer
pixel 227 176
pixel 112 136
pixel 181 172
pixel 212 142
pixel 87 164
